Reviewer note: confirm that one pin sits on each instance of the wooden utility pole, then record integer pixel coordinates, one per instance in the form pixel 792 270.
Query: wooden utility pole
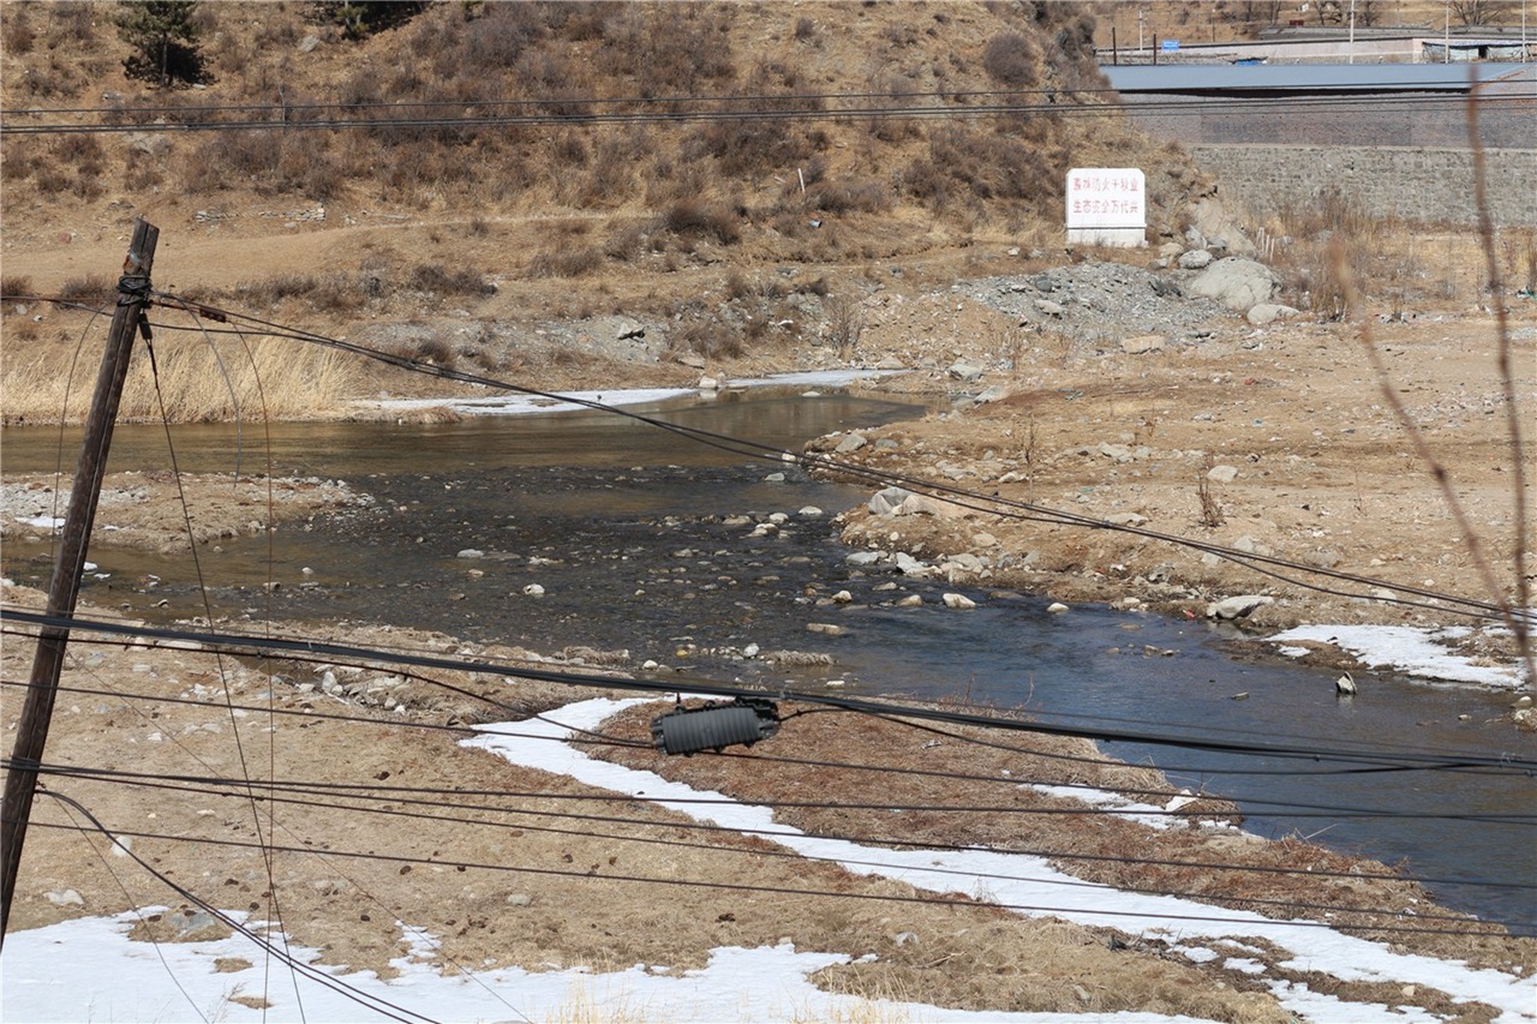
pixel 32 731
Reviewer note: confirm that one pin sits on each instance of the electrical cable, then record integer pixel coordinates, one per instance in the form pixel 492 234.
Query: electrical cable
pixel 787 854
pixel 886 108
pixel 1513 818
pixel 236 642
pixel 989 504
pixel 274 901
pixel 894 716
pixel 938 900
pixel 149 933
pixel 431 797
pixel 375 1003
pixel 1379 746
pixel 150 113
pixel 361 889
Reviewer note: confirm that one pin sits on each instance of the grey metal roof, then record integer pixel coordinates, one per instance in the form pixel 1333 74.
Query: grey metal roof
pixel 1175 78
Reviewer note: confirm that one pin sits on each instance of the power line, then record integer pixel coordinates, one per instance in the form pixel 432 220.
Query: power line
pixel 431 797
pixel 1308 811
pixel 356 995
pixel 785 854
pixel 989 504
pixel 687 684
pixel 937 900
pixel 558 112
pixel 236 642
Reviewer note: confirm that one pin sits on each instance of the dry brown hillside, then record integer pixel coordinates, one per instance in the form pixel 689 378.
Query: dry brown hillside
pixel 559 160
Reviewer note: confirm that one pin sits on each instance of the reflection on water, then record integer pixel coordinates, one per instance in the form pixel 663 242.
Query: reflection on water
pixel 624 526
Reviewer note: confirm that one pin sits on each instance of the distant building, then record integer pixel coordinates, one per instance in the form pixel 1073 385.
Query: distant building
pixel 1417 105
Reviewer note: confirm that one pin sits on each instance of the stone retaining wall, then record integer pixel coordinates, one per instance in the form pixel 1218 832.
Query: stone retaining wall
pixel 1415 184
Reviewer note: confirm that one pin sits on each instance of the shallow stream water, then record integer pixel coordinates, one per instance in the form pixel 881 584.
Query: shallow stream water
pixel 624 526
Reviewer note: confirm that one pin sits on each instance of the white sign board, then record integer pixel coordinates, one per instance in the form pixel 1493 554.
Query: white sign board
pixel 1106 206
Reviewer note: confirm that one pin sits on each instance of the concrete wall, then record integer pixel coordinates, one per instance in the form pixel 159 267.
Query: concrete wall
pixel 1412 183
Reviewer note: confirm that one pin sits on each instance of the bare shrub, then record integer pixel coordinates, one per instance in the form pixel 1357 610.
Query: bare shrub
pixel 676 50
pixel 1211 510
pixel 431 277
pixel 845 324
pixel 435 350
pixel 70 23
pixel 691 217
pixel 845 197
pixel 495 40
pixel 84 153
pixel 1013 60
pixel 609 179
pixel 92 289
pixel 624 242
pixel 16 30
pixel 275 34
pixel 1520 246
pixel 893 92
pixel 272 290
pixel 966 163
pixel 744 146
pixel 338 293
pixel 143 171
pixel 567 261
pixel 711 338
pixel 15 286
pixel 805 29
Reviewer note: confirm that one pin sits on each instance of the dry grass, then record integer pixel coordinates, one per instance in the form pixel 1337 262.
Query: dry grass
pixel 558 57
pixel 274 378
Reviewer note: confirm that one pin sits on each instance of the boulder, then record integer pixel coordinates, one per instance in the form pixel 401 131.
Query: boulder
pixel 1142 344
pixel 1219 228
pixel 1237 607
pixel 959 602
pixel 1268 312
pixel 885 502
pixel 962 370
pixel 1195 259
pixel 1238 284
pixel 852 443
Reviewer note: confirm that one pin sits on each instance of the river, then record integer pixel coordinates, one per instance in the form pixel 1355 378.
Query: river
pixel 626 527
